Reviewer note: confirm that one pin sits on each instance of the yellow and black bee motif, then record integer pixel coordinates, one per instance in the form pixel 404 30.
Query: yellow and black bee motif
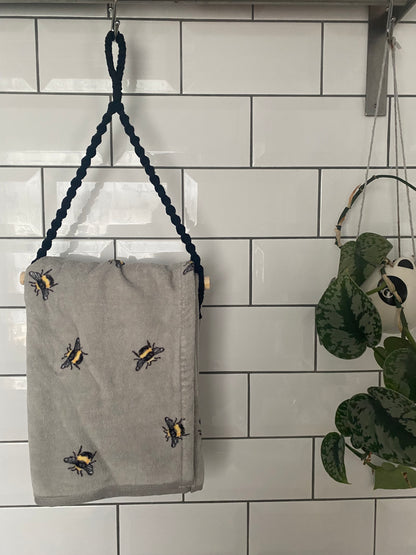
pixel 189 266
pixel 73 356
pixel 175 430
pixel 147 355
pixel 43 282
pixel 117 262
pixel 83 460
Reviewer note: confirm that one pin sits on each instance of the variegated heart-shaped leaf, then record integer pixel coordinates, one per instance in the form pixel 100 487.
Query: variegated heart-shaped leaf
pixel 384 423
pixel 347 321
pixel 332 455
pixel 360 258
pixel 400 372
pixel 341 419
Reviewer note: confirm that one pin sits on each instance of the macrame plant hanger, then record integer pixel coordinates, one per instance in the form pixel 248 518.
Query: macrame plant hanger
pixel 391 45
pixel 116 106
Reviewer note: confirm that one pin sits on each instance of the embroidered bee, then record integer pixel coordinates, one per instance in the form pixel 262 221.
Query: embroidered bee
pixel 117 262
pixel 73 356
pixel 43 282
pixel 188 267
pixel 147 355
pixel 175 430
pixel 83 460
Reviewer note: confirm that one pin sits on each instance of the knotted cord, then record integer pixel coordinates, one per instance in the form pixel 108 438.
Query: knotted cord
pixel 116 107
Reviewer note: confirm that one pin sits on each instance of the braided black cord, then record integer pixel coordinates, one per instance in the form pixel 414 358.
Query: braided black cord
pixel 116 106
pixel 169 208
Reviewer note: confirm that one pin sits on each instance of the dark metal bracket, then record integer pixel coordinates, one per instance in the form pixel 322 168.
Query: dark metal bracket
pixel 377 29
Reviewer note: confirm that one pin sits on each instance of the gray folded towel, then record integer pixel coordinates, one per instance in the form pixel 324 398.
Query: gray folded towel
pixel 112 380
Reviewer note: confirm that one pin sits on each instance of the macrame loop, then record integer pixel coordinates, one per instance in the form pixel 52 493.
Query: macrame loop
pixel 116 73
pixel 116 106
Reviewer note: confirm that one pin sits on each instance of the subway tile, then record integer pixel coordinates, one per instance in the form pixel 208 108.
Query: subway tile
pixel 250 202
pixel 234 58
pixel 13 411
pixel 13 340
pixel 238 339
pixel 408 118
pixel 302 12
pixel 286 404
pixel 183 10
pixel 18 68
pixel 223 405
pixel 220 260
pixel 17 255
pixel 304 528
pixel 50 129
pixel 172 498
pixel 58 530
pixel 255 469
pixel 344 66
pixel 186 131
pixel 113 202
pixel 410 16
pixel 152 63
pixel 360 478
pixel 344 62
pixel 183 529
pixel 292 271
pixel 327 362
pixel 15 480
pixel 314 131
pixel 380 208
pixel 20 192
pixel 59 9
pixel 395 531
pixel 406 82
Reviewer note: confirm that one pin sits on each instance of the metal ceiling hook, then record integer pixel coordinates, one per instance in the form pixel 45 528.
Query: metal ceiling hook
pixel 112 12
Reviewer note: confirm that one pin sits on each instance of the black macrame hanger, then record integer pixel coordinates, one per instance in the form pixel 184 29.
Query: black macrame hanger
pixel 116 106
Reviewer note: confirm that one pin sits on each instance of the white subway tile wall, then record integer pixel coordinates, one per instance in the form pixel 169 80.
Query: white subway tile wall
pixel 254 115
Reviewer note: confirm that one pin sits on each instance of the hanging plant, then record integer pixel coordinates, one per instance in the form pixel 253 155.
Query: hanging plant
pixel 382 421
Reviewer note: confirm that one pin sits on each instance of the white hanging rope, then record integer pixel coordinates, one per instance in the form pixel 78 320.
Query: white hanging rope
pixel 396 156
pixel 398 131
pixel 367 171
pixel 398 124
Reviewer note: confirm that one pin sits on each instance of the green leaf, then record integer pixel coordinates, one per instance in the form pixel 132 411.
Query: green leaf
pixel 384 423
pixel 380 354
pixel 400 372
pixel 360 258
pixel 392 343
pixel 346 319
pixel 389 476
pixel 341 419
pixel 347 263
pixel 332 455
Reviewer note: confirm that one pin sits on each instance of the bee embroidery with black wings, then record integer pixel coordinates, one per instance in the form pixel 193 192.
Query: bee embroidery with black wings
pixel 175 430
pixel 43 281
pixel 73 356
pixel 83 460
pixel 147 355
